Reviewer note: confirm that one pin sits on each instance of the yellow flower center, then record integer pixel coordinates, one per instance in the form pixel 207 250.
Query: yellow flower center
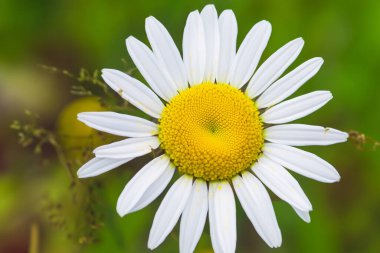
pixel 211 131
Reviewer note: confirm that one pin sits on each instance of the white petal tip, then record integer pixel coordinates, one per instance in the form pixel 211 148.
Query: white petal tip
pixel 306 218
pixel 299 41
pixel 150 18
pixel 100 154
pixel 306 208
pixel 151 245
pixel 275 242
pixel 319 60
pixel 82 116
pixel 85 173
pixel 334 177
pixel 195 12
pixel 228 11
pixel 121 211
pixel 81 174
pixel 325 94
pixel 274 246
pixel 265 25
pixel 106 74
pixel 208 6
pixel 120 214
pixel 106 70
pixel 265 22
pixel 150 22
pixel 129 39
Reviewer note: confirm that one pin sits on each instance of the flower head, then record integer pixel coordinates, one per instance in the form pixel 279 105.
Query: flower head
pixel 220 122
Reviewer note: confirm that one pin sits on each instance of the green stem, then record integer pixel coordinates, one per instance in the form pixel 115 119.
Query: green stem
pixel 34 240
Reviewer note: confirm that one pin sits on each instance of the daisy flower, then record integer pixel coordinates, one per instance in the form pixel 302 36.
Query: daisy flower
pixel 221 122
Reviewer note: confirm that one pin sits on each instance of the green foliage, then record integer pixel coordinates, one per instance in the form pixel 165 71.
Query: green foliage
pixel 88 83
pixel 32 134
pixel 363 142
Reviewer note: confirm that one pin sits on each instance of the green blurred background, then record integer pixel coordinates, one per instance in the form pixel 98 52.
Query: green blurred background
pixel 43 210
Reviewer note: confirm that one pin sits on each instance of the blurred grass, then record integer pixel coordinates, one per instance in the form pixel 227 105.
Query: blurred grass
pixel 75 34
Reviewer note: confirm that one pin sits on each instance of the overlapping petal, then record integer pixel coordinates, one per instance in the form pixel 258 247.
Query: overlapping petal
pixel 302 162
pixel 284 185
pixel 304 215
pixel 227 34
pixel 166 51
pixel 257 204
pixel 288 84
pixel 194 217
pixel 134 92
pixel 194 48
pixel 151 69
pixel 212 39
pixel 132 147
pixel 222 217
pixel 249 54
pixel 273 67
pixel 134 191
pixel 155 189
pixel 169 211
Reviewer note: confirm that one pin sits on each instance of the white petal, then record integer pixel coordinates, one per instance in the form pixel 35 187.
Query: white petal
pixel 194 217
pixel 211 28
pixel 134 92
pixel 302 162
pixel 119 124
pixel 284 185
pixel 257 204
pixel 166 51
pixel 222 217
pixel 296 108
pixel 288 84
pixel 97 166
pixel 215 240
pixel 304 215
pixel 249 53
pixel 273 67
pixel 132 147
pixel 155 189
pixel 304 135
pixel 194 48
pixel 228 33
pixel 151 69
pixel 140 183
pixel 169 211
